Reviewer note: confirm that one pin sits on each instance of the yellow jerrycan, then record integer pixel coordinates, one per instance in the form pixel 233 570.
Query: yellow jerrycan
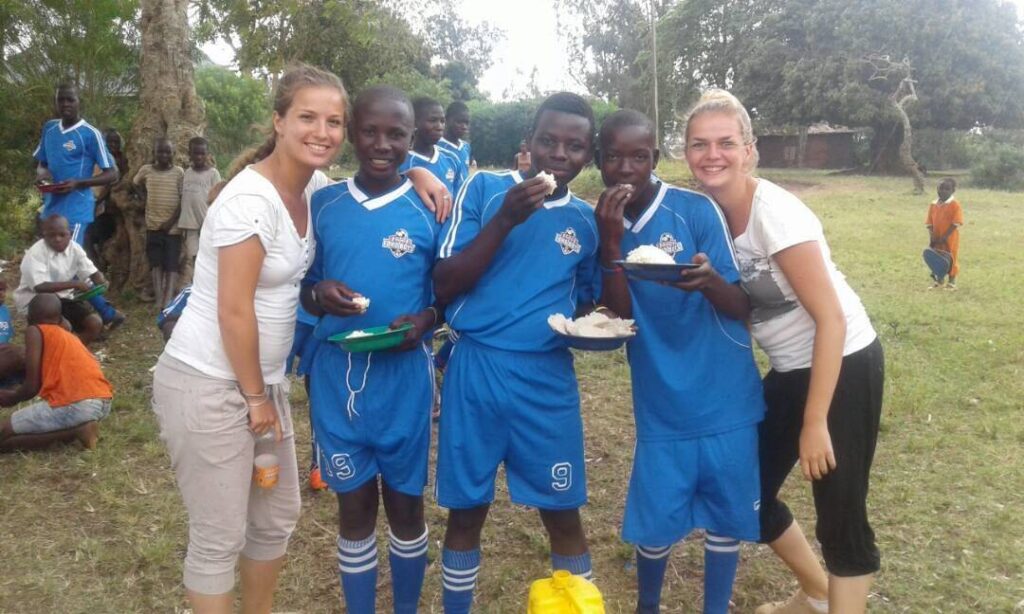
pixel 564 593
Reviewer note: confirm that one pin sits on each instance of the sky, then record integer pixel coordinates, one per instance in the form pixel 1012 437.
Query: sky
pixel 531 43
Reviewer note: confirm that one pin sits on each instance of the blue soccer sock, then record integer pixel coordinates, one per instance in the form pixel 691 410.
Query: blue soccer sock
pixel 102 307
pixel 459 569
pixel 408 564
pixel 578 564
pixel 357 564
pixel 721 555
pixel 650 574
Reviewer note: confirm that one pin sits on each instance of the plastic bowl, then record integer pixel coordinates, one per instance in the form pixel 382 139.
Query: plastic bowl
pixel 91 293
pixel 655 272
pixel 378 338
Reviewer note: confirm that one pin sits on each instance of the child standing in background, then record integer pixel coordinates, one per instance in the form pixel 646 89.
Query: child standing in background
pixel 199 178
pixel 162 181
pixel 456 129
pixel 945 217
pixel 426 151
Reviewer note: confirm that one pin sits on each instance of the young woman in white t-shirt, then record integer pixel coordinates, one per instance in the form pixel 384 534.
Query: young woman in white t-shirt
pixel 219 390
pixel 824 390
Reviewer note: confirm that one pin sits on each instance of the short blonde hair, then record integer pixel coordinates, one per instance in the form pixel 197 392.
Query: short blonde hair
pixel 720 101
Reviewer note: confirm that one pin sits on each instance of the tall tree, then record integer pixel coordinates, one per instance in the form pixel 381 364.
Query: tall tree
pixel 168 106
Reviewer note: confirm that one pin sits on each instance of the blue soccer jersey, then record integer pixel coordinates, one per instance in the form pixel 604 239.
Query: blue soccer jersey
pixel 6 327
pixel 72 153
pixel 382 247
pixel 692 368
pixel 174 309
pixel 462 149
pixel 444 164
pixel 546 265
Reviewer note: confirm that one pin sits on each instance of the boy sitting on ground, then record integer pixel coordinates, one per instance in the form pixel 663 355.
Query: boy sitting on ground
pixel 56 265
pixel 73 393
pixel 12 357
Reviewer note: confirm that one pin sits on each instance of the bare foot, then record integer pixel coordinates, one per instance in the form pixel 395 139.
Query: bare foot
pixel 88 434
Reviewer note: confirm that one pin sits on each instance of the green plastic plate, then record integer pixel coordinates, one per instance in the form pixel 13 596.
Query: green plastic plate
pixel 91 293
pixel 377 338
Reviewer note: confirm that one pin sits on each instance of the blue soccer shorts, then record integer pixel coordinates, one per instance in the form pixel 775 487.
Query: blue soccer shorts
pixel 517 408
pixel 709 482
pixel 371 416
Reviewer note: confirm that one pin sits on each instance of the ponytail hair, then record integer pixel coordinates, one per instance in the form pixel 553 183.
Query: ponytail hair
pixel 721 101
pixel 296 77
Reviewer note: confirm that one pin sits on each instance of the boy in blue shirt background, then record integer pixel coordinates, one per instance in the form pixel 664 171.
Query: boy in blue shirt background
pixel 426 152
pixel 511 255
pixel 456 129
pixel 12 357
pixel 68 152
pixel 696 390
pixel 371 411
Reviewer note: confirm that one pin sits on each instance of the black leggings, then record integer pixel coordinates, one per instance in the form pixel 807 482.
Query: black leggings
pixel 840 499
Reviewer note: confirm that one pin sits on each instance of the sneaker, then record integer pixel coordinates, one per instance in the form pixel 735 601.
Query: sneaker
pixel 951 285
pixel 315 481
pixel 116 321
pixel 796 604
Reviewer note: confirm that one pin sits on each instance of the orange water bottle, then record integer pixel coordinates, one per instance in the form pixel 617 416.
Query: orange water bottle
pixel 564 593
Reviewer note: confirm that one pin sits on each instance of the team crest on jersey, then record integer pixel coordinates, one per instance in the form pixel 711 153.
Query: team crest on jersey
pixel 70 145
pixel 669 245
pixel 399 244
pixel 450 175
pixel 568 241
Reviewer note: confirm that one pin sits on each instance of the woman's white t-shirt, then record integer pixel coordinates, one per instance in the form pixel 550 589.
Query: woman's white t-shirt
pixel 779 323
pixel 248 206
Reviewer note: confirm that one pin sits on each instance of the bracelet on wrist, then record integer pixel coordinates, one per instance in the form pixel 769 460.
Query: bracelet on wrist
pixel 255 395
pixel 264 401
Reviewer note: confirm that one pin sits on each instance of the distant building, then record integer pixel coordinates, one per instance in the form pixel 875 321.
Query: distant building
pixel 826 147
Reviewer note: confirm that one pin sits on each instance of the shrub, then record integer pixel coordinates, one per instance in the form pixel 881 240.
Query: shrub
pixel 1001 167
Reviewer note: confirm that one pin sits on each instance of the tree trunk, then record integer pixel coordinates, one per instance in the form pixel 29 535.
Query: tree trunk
pixel 801 147
pixel 906 155
pixel 168 106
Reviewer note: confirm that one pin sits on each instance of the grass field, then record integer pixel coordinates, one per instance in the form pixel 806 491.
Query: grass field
pixel 104 531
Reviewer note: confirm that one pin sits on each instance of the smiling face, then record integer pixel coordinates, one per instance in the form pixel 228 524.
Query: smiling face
pixel 561 145
pixel 628 156
pixel 715 151
pixel 68 105
pixel 430 125
pixel 380 135
pixel 312 128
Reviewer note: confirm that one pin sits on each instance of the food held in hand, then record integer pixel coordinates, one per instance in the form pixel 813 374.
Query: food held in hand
pixel 649 254
pixel 356 334
pixel 362 302
pixel 594 325
pixel 549 180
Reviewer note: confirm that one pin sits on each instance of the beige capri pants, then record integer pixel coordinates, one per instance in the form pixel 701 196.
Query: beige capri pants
pixel 205 424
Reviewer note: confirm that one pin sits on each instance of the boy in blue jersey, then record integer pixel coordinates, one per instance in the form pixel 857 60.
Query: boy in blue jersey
pixel 68 152
pixel 12 357
pixel 168 317
pixel 696 390
pixel 300 358
pixel 426 152
pixel 371 411
pixel 511 255
pixel 456 129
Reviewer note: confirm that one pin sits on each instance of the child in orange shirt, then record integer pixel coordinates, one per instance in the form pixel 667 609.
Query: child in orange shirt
pixel 73 393
pixel 945 217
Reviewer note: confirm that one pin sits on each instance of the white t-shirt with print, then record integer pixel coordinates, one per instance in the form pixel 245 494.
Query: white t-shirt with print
pixel 248 206
pixel 779 323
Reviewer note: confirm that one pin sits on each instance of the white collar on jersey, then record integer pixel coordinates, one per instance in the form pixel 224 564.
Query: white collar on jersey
pixel 376 202
pixel 548 204
pixel 64 130
pixel 433 157
pixel 649 212
pixel 455 145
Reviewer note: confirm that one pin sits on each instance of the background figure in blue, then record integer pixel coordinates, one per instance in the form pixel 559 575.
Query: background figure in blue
pixel 68 152
pixel 426 153
pixel 12 357
pixel 300 359
pixel 168 316
pixel 374 238
pixel 456 129
pixel 511 255
pixel 697 395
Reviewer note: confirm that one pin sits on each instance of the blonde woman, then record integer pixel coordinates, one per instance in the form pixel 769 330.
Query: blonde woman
pixel 824 390
pixel 220 384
